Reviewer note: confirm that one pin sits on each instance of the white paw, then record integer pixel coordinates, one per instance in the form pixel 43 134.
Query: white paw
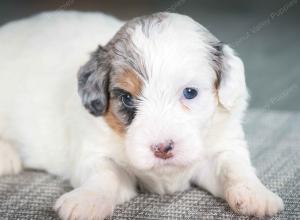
pixel 253 200
pixel 10 162
pixel 82 204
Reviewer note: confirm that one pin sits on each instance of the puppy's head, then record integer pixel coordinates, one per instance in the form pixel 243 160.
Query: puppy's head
pixel 158 83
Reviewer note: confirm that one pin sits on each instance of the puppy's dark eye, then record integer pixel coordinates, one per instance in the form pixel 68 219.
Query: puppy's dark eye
pixel 190 93
pixel 127 100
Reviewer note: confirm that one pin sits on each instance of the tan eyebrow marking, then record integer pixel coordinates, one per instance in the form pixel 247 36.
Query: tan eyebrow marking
pixel 129 81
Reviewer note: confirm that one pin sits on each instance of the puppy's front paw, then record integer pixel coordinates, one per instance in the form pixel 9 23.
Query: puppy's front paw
pixel 82 204
pixel 253 200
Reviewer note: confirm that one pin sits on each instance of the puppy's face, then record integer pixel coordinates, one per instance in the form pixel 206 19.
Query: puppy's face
pixel 157 84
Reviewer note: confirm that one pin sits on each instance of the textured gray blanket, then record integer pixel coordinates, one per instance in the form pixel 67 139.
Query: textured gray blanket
pixel 274 144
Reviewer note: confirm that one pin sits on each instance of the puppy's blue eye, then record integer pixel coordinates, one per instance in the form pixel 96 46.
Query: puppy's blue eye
pixel 190 93
pixel 127 101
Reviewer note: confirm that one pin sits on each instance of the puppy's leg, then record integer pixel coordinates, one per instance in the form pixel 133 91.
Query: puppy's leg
pixel 99 190
pixel 231 176
pixel 10 162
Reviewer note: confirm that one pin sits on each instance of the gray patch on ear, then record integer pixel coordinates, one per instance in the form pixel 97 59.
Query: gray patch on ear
pixel 217 58
pixel 93 79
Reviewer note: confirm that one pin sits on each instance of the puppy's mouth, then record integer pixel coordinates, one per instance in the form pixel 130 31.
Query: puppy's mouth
pixel 163 166
pixel 168 162
pixel 168 166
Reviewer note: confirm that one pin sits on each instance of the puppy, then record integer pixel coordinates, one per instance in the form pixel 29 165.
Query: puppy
pixel 160 106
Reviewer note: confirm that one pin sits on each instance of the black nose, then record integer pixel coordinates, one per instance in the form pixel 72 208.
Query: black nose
pixel 163 150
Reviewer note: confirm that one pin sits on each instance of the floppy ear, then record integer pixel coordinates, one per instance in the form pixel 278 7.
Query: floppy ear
pixel 232 87
pixel 93 82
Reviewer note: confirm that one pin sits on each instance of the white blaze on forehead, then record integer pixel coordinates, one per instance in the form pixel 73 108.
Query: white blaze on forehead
pixel 176 52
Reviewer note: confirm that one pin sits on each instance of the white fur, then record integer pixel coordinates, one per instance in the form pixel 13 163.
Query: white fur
pixel 10 160
pixel 42 116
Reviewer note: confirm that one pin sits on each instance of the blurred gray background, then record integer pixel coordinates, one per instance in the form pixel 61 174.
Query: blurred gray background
pixel 264 33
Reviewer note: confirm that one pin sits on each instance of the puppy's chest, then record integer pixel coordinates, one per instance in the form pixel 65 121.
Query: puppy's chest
pixel 164 183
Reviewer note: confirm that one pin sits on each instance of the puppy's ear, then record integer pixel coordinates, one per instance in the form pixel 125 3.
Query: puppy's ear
pixel 93 82
pixel 231 76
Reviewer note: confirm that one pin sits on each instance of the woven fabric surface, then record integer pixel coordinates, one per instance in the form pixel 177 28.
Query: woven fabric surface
pixel 274 144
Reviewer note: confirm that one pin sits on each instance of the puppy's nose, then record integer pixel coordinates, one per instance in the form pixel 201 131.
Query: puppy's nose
pixel 163 150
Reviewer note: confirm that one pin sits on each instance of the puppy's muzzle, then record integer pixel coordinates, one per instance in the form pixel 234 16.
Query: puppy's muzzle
pixel 163 150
